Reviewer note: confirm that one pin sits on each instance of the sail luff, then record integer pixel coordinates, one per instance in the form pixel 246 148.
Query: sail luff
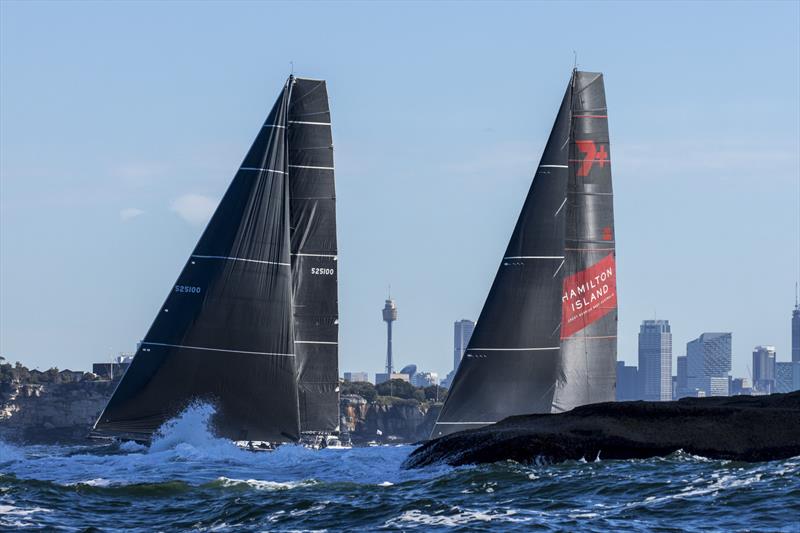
pixel 224 334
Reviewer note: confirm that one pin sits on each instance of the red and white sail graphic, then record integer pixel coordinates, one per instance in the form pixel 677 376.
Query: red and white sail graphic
pixel 588 295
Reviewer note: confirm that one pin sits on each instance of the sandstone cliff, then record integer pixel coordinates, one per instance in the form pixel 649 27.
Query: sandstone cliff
pixel 61 412
pixel 51 412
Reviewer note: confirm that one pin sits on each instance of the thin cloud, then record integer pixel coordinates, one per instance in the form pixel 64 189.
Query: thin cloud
pixel 195 209
pixel 130 213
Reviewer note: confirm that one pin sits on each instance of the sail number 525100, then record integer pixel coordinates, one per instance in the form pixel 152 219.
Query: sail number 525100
pixel 322 271
pixel 187 288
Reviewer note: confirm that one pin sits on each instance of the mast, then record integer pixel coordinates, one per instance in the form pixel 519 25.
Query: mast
pixel 314 257
pixel 529 352
pixel 225 333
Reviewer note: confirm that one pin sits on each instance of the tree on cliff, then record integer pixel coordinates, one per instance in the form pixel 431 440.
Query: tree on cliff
pixel 397 388
pixel 362 388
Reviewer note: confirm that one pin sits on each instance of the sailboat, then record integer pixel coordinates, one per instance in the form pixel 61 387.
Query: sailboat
pixel 251 324
pixel 546 339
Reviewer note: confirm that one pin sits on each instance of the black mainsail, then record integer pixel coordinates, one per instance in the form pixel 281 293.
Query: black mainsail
pixel 314 260
pixel 227 332
pixel 545 340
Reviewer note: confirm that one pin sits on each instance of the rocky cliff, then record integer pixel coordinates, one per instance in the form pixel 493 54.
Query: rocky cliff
pixel 387 419
pixel 60 412
pixel 741 428
pixel 51 412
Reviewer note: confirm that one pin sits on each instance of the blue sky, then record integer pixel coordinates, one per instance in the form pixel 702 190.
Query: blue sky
pixel 121 125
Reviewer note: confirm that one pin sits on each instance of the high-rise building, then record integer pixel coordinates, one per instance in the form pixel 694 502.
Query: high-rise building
pixel 796 329
pixel 741 386
pixel 389 316
pixel 682 378
pixel 425 379
pixel 764 369
pixel 354 377
pixel 787 376
pixel 708 356
pixel 462 332
pixel 627 382
pixel 383 377
pixel 655 360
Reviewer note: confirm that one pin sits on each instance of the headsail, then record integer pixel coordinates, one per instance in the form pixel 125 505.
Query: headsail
pixel 518 360
pixel 225 333
pixel 314 259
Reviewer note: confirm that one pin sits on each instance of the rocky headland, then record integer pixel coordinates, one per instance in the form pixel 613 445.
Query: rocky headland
pixel 61 406
pixel 743 428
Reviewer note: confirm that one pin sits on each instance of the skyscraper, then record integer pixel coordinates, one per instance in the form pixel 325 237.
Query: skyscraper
pixel 787 377
pixel 708 362
pixel 682 379
pixel 655 360
pixel 764 369
pixel 462 331
pixel 627 382
pixel 796 329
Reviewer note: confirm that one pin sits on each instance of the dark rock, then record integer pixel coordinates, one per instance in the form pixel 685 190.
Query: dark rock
pixel 744 428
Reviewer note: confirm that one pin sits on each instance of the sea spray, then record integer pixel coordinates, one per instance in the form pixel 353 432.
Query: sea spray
pixel 190 435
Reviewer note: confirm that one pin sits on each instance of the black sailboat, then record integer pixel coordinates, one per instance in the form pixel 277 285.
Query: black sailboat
pixel 546 338
pixel 251 324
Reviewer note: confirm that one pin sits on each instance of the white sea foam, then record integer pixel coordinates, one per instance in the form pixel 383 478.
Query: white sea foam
pixel 96 482
pixel 458 518
pixel 18 517
pixel 264 485
pixel 10 510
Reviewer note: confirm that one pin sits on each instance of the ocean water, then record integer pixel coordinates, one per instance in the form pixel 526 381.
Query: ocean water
pixel 189 480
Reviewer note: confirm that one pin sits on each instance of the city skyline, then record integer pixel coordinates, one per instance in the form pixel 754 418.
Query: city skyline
pixel 142 144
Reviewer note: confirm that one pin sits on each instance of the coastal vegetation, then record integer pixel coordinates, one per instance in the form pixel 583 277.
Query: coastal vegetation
pixel 22 375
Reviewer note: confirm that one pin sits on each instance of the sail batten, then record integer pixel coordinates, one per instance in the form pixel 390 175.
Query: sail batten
pixel 544 357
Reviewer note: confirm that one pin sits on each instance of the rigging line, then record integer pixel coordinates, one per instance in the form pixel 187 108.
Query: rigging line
pixel 592 337
pixel 560 207
pixel 263 170
pixel 558 269
pixel 214 349
pixel 309 123
pixel 534 257
pixel 317 86
pixel 240 259
pixel 313 167
pixel 513 349
pixel 464 423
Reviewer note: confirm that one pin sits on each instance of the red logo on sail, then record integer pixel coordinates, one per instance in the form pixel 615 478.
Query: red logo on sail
pixel 592 155
pixel 588 295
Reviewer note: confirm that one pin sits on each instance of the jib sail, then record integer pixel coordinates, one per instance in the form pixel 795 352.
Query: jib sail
pixel 226 332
